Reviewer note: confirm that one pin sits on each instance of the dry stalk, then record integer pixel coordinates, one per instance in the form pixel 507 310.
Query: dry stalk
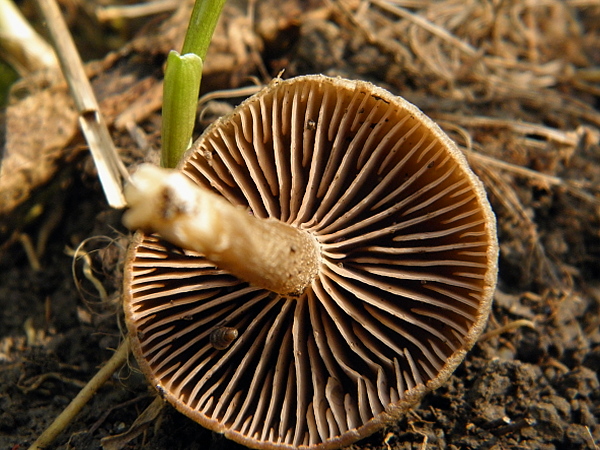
pixel 111 170
pixel 115 12
pixel 68 414
pixel 20 45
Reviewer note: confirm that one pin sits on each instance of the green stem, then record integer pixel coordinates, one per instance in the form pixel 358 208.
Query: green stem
pixel 202 26
pixel 180 96
pixel 182 81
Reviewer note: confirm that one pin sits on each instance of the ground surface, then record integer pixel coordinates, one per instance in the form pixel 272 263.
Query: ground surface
pixel 517 84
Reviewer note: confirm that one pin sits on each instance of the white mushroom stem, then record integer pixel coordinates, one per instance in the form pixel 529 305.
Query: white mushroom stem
pixel 264 252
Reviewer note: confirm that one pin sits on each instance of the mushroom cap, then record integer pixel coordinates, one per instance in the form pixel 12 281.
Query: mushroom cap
pixel 406 277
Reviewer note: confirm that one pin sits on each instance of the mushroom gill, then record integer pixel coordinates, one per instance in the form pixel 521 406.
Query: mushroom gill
pixel 405 274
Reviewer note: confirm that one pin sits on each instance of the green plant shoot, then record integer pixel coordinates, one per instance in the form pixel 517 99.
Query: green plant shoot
pixel 180 96
pixel 202 26
pixel 183 75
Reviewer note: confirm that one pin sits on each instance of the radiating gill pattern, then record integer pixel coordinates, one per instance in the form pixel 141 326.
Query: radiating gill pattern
pixel 405 252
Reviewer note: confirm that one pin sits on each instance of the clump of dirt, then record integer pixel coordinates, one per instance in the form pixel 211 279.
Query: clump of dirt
pixel 516 84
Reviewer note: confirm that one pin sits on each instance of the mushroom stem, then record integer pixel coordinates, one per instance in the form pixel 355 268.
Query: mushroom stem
pixel 264 252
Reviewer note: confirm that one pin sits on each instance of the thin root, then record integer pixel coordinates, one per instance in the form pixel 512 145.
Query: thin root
pixel 508 327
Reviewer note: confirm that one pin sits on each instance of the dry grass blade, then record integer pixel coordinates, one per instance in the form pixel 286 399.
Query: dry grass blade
pixel 434 29
pixel 107 13
pixel 507 196
pixel 101 377
pixel 110 168
pixel 20 44
pixel 140 425
pixel 562 137
pixel 574 189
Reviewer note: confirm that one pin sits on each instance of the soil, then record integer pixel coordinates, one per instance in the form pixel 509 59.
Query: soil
pixel 516 84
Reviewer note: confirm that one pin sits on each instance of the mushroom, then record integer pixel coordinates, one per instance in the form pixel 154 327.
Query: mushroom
pixel 381 262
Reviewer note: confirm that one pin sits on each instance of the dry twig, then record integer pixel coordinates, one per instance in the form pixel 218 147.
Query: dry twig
pixel 110 168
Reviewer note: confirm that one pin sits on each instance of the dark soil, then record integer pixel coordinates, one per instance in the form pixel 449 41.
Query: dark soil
pixel 533 386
